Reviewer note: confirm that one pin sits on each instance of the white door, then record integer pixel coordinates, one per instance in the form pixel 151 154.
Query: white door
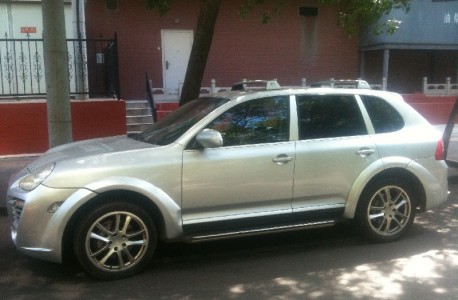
pixel 176 48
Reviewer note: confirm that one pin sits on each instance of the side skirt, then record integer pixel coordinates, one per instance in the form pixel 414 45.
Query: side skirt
pixel 220 230
pixel 257 231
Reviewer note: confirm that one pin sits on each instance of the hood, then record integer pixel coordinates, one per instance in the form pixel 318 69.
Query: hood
pixel 88 148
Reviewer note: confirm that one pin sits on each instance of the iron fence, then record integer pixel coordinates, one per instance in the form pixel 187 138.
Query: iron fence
pixel 92 65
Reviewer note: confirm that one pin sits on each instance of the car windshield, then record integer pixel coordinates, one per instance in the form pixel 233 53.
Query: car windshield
pixel 171 127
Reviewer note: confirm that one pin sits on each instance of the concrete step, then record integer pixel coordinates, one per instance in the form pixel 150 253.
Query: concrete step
pixel 138 116
pixel 137 104
pixel 139 119
pixel 138 112
pixel 137 127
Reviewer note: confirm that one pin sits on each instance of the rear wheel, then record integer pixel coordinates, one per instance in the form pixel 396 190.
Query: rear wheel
pixel 386 209
pixel 115 240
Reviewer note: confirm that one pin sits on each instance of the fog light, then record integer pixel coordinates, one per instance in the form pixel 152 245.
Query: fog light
pixel 55 206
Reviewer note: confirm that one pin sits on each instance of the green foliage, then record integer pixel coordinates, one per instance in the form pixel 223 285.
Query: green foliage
pixel 352 13
pixel 356 13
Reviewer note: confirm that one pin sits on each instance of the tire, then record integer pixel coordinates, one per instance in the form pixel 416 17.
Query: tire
pixel 386 209
pixel 115 240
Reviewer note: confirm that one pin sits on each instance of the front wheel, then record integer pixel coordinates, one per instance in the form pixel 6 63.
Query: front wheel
pixel 386 209
pixel 115 240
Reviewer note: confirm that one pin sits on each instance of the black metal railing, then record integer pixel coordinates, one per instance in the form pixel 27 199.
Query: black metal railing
pixel 92 64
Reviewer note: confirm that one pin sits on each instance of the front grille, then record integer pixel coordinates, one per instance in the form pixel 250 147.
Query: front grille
pixel 16 208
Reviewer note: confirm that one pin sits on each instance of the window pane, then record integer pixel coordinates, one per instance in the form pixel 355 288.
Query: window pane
pixel 254 122
pixel 327 116
pixel 383 116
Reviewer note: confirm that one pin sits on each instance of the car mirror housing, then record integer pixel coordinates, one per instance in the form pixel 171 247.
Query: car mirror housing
pixel 209 138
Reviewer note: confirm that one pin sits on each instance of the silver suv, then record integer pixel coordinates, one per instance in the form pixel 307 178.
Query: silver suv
pixel 237 163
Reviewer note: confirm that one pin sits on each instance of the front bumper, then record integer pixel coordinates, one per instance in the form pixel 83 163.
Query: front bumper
pixel 36 230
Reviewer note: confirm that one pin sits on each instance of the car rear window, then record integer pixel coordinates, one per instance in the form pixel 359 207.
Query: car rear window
pixel 385 118
pixel 329 116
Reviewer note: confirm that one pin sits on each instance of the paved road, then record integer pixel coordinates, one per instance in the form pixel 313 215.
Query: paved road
pixel 332 263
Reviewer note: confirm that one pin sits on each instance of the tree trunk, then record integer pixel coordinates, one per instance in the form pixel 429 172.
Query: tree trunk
pixel 200 48
pixel 56 73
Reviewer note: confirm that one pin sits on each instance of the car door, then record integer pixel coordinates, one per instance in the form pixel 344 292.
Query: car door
pixel 251 175
pixel 333 149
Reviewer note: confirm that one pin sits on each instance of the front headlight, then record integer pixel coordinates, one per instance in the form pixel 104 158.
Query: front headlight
pixel 34 179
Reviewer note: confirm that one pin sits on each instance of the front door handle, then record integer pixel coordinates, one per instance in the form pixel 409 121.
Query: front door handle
pixel 365 152
pixel 282 159
pixel 167 64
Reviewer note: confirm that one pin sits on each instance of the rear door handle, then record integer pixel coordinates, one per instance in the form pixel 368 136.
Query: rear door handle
pixel 365 152
pixel 282 159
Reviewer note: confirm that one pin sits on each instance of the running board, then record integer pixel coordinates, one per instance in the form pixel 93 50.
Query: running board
pixel 258 231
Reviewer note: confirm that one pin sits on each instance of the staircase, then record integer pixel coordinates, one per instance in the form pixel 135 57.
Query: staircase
pixel 138 116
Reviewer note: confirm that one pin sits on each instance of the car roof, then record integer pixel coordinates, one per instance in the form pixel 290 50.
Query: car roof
pixel 264 88
pixel 302 90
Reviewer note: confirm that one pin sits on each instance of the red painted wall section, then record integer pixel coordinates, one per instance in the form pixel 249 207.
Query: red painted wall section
pixel 24 125
pixel 93 119
pixel 163 109
pixel 24 128
pixel 436 109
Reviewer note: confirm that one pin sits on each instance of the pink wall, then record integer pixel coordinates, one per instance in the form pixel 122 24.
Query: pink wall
pixel 24 127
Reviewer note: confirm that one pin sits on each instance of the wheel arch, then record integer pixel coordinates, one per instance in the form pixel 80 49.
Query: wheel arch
pixel 396 171
pixel 165 213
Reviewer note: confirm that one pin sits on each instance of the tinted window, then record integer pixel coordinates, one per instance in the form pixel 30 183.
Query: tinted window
pixel 327 116
pixel 383 116
pixel 179 121
pixel 257 121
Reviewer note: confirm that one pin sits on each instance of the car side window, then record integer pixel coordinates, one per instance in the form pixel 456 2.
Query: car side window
pixel 384 117
pixel 258 121
pixel 329 116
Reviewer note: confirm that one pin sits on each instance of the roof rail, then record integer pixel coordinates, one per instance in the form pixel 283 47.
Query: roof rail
pixel 256 85
pixel 343 83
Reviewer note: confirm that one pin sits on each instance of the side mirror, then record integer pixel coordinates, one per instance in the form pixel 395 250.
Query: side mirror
pixel 209 138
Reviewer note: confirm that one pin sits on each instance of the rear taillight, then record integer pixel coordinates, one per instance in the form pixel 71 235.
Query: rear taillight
pixel 439 155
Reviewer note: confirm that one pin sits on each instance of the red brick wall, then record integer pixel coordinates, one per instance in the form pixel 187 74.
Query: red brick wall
pixel 289 48
pixel 139 37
